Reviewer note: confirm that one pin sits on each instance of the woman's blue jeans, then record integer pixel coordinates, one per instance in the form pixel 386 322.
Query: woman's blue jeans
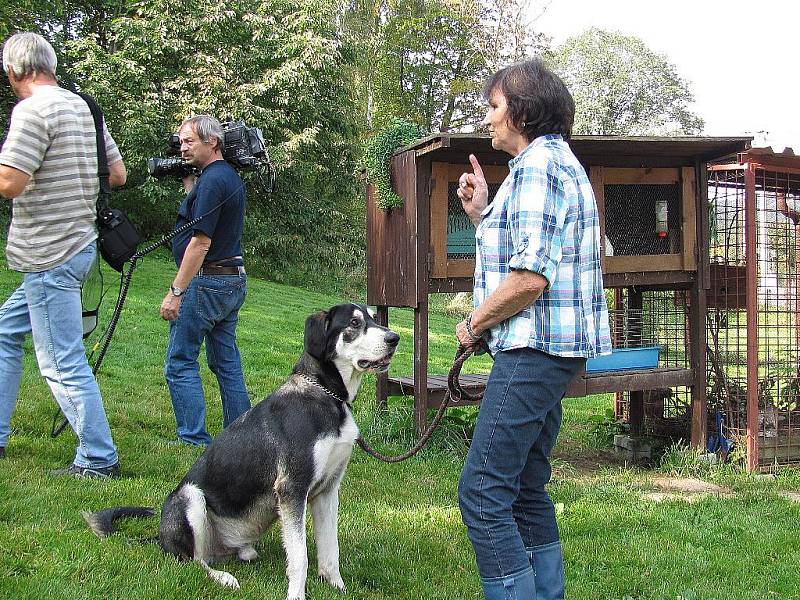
pixel 502 493
pixel 209 312
pixel 48 305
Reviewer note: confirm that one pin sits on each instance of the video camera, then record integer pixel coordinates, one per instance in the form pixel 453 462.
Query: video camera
pixel 243 148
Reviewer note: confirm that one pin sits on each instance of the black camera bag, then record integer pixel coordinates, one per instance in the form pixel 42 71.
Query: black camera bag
pixel 117 238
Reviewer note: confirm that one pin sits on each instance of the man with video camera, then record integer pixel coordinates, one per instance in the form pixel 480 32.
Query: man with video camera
pixel 48 166
pixel 205 297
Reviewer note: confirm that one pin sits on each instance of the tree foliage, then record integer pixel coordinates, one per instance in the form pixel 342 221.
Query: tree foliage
pixel 316 76
pixel 426 60
pixel 278 64
pixel 59 22
pixel 622 87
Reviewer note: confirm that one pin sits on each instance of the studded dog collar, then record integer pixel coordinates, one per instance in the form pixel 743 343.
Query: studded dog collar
pixel 317 384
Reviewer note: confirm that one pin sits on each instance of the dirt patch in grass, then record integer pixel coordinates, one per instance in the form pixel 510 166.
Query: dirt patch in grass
pixel 688 485
pixel 574 461
pixel 687 489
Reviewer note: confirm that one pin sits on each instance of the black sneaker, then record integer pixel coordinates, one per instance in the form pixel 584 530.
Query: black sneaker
pixel 111 472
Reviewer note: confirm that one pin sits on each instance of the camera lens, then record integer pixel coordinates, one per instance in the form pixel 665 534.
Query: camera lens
pixel 166 167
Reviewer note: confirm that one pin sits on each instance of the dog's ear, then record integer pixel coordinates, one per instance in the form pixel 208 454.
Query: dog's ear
pixel 316 335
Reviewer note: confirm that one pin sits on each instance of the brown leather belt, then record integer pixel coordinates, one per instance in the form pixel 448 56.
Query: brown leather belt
pixel 214 270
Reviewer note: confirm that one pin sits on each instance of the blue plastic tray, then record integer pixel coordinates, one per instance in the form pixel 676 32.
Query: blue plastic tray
pixel 622 359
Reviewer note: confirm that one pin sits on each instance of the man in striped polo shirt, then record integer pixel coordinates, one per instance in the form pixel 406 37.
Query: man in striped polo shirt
pixel 48 169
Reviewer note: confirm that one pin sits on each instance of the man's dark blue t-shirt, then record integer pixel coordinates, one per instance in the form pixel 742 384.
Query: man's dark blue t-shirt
pixel 217 183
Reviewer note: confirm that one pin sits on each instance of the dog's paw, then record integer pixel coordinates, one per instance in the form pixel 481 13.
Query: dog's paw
pixel 225 579
pixel 302 596
pixel 333 578
pixel 338 584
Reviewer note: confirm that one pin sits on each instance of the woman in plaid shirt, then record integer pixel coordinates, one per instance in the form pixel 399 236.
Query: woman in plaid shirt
pixel 540 307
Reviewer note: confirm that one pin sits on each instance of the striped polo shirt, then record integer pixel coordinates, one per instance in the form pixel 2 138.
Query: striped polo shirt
pixel 52 138
pixel 544 219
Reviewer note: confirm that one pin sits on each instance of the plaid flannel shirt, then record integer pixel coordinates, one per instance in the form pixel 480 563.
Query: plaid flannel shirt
pixel 544 219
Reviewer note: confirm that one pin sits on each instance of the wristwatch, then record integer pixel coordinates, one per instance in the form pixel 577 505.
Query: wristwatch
pixel 176 291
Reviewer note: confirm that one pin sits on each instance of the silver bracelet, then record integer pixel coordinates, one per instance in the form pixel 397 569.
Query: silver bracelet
pixel 470 332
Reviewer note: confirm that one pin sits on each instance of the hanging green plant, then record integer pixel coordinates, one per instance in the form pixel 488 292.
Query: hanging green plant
pixel 378 152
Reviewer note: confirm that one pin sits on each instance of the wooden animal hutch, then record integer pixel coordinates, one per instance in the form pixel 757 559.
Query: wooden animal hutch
pixel 427 246
pixel 754 302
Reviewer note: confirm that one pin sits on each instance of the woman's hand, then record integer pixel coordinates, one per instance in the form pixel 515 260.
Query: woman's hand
pixel 468 337
pixel 473 191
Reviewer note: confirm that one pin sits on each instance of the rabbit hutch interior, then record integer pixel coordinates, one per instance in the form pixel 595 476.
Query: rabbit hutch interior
pixel 652 197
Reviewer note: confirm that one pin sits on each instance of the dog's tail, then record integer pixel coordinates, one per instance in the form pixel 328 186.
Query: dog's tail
pixel 102 522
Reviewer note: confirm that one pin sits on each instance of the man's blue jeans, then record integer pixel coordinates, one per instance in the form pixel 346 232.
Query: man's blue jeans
pixel 502 493
pixel 210 312
pixel 48 304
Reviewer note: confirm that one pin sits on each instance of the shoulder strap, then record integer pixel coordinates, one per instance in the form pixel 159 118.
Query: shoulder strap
pixel 102 159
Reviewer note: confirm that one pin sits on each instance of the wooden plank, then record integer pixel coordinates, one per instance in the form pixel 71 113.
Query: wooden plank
pixel 382 379
pixel 668 280
pixel 781 164
pixel 636 397
pixel 726 167
pixel 451 285
pixel 461 268
pixel 637 176
pixel 402 246
pixel 587 384
pixel 697 315
pixel 432 147
pixel 704 234
pixel 638 149
pixel 633 162
pixel 751 251
pixel 643 263
pixel 392 240
pixel 421 289
pixel 689 185
pixel 436 382
pixel 596 179
pixel 376 257
pixel 421 367
pixel 649 379
pixel 440 180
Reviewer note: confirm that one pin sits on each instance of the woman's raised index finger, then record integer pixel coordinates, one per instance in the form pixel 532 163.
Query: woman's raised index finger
pixel 476 166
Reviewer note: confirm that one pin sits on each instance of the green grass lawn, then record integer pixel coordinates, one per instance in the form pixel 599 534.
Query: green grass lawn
pixel 400 531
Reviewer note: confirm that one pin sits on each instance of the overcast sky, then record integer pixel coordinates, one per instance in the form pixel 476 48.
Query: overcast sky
pixel 740 58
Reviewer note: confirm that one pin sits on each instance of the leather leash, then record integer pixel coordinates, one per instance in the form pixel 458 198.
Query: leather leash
pixel 454 395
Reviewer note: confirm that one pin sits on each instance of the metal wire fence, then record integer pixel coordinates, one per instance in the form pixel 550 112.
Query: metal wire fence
pixel 770 343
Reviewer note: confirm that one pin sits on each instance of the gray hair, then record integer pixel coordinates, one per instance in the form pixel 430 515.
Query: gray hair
pixel 29 54
pixel 206 127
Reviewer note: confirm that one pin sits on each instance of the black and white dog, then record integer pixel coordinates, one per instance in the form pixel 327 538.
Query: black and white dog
pixel 284 454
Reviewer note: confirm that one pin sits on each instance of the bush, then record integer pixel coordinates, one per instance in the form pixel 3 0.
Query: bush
pixel 282 71
pixel 378 151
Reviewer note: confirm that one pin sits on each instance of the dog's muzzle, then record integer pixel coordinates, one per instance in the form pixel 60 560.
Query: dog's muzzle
pixel 382 365
pixel 379 366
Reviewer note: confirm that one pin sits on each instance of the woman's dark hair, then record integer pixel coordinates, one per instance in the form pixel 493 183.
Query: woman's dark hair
pixel 538 101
